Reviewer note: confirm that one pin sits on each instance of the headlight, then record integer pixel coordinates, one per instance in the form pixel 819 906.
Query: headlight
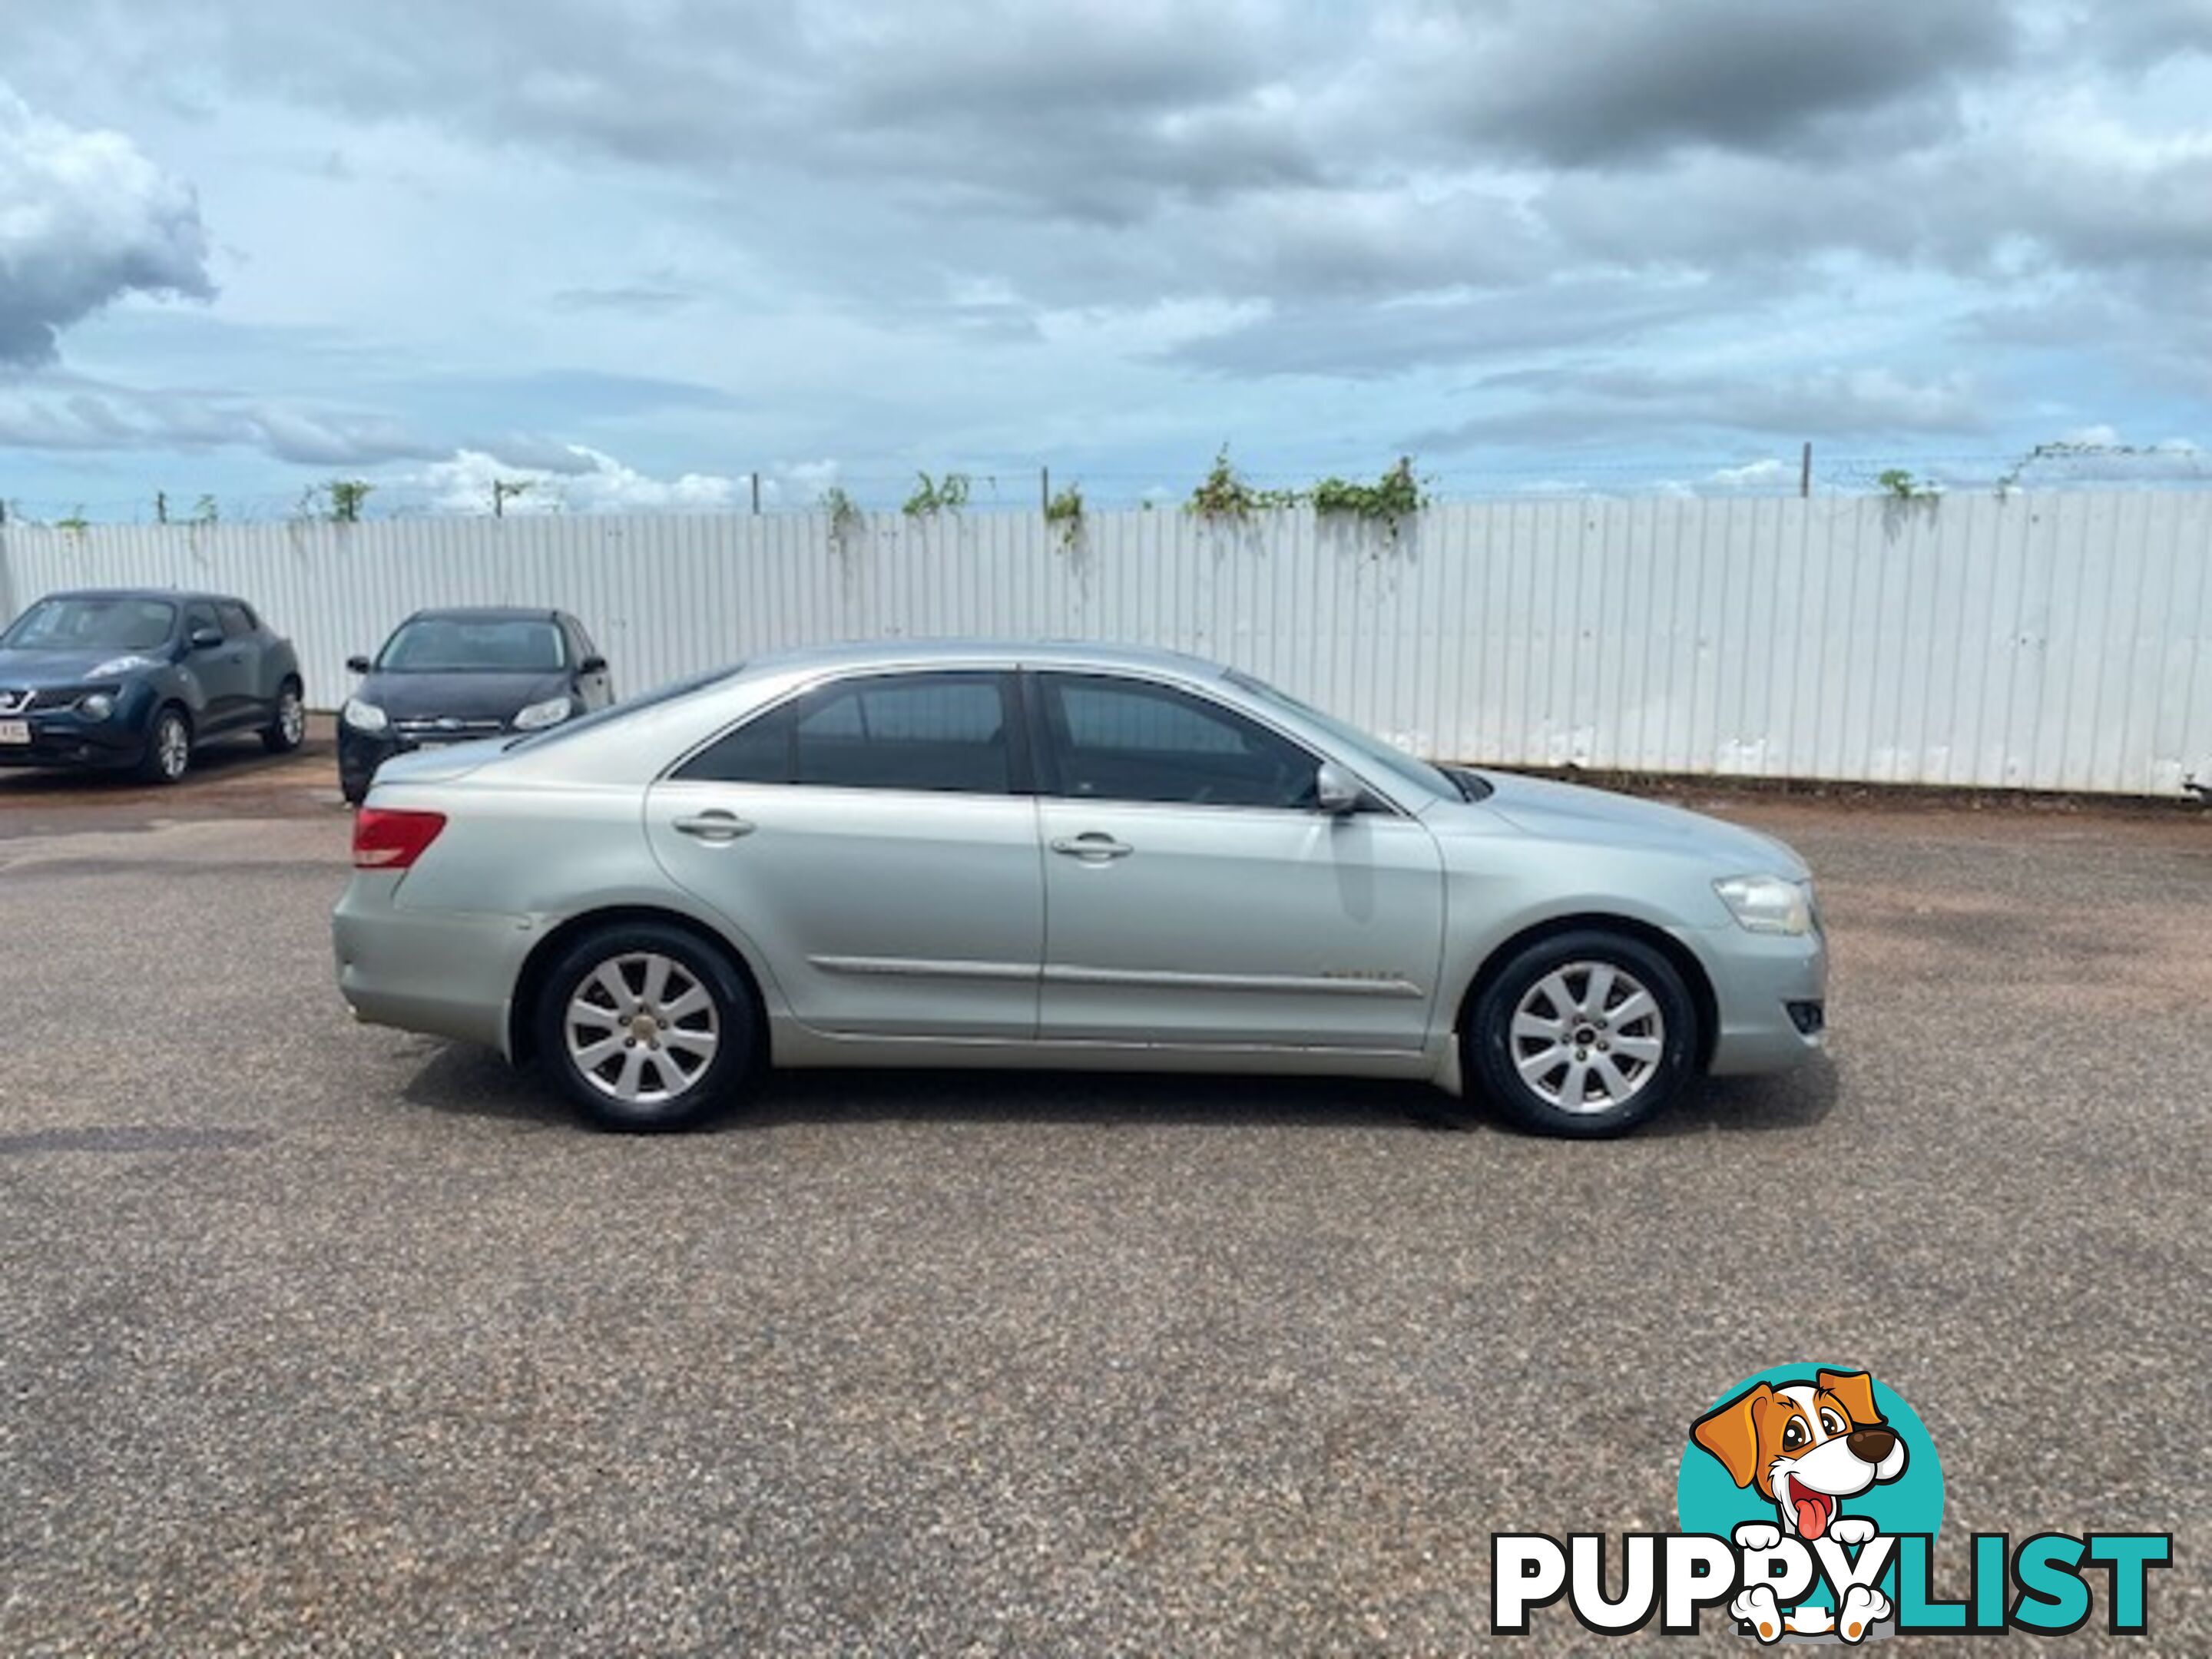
pixel 97 707
pixel 114 665
pixel 1768 905
pixel 539 715
pixel 364 716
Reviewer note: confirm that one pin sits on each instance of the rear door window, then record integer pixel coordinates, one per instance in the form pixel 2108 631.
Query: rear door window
pixel 950 732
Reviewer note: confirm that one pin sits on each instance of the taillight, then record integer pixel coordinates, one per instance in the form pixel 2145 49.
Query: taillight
pixel 385 839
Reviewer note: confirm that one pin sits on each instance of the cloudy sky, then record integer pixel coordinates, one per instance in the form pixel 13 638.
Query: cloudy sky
pixel 637 249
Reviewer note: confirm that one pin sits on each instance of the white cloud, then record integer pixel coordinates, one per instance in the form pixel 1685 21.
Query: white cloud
pixel 1755 476
pixel 84 219
pixel 599 483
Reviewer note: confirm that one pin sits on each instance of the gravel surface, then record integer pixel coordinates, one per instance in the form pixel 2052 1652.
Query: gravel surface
pixel 316 1337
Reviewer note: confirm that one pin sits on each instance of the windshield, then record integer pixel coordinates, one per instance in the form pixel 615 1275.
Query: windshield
pixel 1363 746
pixel 463 645
pixel 100 624
pixel 614 711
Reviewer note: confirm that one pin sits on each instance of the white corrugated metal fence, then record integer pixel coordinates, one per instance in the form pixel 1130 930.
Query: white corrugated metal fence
pixel 2055 641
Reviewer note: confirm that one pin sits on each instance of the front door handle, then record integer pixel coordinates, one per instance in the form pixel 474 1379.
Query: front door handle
pixel 1093 845
pixel 715 825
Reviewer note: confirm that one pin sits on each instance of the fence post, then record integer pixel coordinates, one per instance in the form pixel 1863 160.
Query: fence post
pixel 1805 473
pixel 756 493
pixel 1044 487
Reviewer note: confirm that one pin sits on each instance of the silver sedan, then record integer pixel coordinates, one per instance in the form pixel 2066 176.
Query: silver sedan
pixel 1054 856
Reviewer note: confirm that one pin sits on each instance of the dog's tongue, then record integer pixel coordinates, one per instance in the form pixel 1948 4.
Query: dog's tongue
pixel 1812 1518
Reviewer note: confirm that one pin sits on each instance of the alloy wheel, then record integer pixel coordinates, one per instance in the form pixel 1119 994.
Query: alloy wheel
pixel 642 1028
pixel 173 747
pixel 1587 1038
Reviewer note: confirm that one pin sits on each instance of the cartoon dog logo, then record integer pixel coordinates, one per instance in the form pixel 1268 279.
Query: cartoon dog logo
pixel 1805 1446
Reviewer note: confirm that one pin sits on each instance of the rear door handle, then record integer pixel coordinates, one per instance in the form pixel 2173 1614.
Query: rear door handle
pixel 715 826
pixel 1093 845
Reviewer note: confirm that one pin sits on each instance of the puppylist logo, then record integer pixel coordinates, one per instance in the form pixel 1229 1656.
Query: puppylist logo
pixel 1809 1497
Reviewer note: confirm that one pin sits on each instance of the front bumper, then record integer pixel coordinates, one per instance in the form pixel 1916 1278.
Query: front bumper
pixel 63 737
pixel 360 753
pixel 1766 988
pixel 449 974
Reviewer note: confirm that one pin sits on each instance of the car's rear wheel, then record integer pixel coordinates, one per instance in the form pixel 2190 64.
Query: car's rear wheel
pixel 285 732
pixel 1585 1034
pixel 646 1027
pixel 168 753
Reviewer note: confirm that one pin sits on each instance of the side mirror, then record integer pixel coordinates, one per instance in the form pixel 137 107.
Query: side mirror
pixel 206 638
pixel 593 665
pixel 1336 791
pixel 356 664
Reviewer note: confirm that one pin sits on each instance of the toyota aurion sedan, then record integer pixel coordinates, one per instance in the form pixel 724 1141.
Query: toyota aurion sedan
pixel 1057 855
pixel 472 671
pixel 137 679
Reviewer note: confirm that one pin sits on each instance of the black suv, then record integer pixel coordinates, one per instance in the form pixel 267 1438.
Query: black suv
pixel 138 678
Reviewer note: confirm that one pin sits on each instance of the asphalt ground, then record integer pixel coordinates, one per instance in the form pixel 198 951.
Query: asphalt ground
pixel 320 1339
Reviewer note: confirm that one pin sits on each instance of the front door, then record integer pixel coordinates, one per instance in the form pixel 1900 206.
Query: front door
pixel 868 838
pixel 1195 895
pixel 225 670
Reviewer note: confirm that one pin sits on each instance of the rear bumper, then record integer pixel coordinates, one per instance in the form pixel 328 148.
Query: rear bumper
pixel 445 973
pixel 1756 977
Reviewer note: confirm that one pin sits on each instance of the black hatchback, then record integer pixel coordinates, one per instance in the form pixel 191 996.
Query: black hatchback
pixel 458 675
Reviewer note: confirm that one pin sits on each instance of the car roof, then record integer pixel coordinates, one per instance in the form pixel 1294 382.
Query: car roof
pixel 983 653
pixel 169 595
pixel 487 613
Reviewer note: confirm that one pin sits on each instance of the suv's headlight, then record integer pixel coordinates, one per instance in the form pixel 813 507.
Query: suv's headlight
pixel 1768 905
pixel 98 706
pixel 538 716
pixel 364 716
pixel 114 665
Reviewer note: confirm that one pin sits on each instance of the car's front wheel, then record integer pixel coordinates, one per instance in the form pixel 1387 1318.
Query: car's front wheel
pixel 646 1027
pixel 168 753
pixel 1586 1034
pixel 285 731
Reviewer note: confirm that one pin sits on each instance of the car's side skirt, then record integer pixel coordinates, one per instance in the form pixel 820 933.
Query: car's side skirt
pixel 799 1047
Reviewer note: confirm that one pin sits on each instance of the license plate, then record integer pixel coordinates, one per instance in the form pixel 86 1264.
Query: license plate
pixel 15 731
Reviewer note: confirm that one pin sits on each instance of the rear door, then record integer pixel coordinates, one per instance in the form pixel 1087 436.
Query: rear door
pixel 1196 897
pixel 874 838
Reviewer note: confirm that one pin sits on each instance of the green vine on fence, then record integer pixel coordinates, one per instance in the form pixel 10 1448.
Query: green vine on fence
pixel 844 515
pixel 935 496
pixel 1064 512
pixel 339 500
pixel 1396 494
pixel 1225 493
pixel 1901 485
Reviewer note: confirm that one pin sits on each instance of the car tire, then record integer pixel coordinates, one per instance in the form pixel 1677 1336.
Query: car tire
pixel 693 1052
pixel 1584 1034
pixel 168 753
pixel 289 729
